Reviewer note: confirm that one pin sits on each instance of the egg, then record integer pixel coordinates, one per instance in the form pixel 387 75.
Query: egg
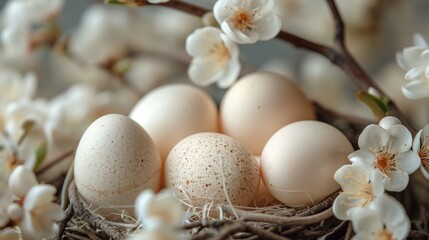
pixel 115 160
pixel 263 197
pixel 299 161
pixel 258 105
pixel 173 112
pixel 207 167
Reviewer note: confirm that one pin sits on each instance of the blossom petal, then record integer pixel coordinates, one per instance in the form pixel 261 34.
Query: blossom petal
pixel 408 161
pixel 396 182
pixel 373 136
pixel 416 89
pixel 420 41
pixel 199 42
pixel 415 73
pixel 341 205
pixel 366 220
pixel 400 138
pixel 21 180
pixel 204 72
pixel 363 236
pixel 362 157
pixel 412 56
pixel 391 211
pixel 230 75
pixel 425 172
pixel 389 121
pixel 39 195
pixel 269 26
pixel 418 139
pixel 237 35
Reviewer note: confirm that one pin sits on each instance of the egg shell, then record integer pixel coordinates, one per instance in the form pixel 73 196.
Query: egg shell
pixel 258 105
pixel 199 167
pixel 263 197
pixel 115 160
pixel 173 112
pixel 299 162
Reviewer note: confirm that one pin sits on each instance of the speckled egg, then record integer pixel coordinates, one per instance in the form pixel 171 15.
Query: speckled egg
pixel 299 162
pixel 258 105
pixel 115 160
pixel 204 167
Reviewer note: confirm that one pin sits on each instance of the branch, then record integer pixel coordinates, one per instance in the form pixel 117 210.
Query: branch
pixel 342 58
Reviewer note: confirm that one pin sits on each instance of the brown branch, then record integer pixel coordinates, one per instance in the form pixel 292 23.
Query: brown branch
pixel 341 58
pixel 57 160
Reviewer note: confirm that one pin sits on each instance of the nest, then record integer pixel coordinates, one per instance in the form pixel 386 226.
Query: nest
pixel 271 222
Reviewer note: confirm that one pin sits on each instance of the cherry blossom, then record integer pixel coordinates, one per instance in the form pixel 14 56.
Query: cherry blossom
pixel 388 151
pixel 415 60
pixel 421 147
pixel 247 21
pixel 215 58
pixel 360 187
pixel 384 219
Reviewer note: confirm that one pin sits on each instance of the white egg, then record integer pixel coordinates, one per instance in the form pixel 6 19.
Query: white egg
pixel 115 160
pixel 299 162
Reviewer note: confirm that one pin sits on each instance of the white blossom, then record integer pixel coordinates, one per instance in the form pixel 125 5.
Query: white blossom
pixel 247 21
pixel 360 187
pixel 21 180
pixel 162 207
pixel 16 87
pixel 415 60
pixel 421 147
pixel 388 151
pixel 215 58
pixel 384 219
pixel 40 212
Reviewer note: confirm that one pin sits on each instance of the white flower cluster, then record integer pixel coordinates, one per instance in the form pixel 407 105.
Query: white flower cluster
pixel 415 60
pixel 159 214
pixel 383 162
pixel 215 53
pixel 28 211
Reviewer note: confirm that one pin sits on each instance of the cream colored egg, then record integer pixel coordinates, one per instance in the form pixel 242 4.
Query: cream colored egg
pixel 207 167
pixel 299 162
pixel 258 105
pixel 173 112
pixel 115 160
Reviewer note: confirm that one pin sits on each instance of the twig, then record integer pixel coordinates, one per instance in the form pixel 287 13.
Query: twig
pixel 57 160
pixel 87 216
pixel 319 207
pixel 63 223
pixel 284 221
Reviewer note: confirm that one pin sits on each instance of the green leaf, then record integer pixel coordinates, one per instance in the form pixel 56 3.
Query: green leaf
pixel 40 155
pixel 377 105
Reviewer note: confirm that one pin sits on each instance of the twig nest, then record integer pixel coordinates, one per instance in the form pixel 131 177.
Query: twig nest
pixel 299 161
pixel 258 105
pixel 212 168
pixel 115 160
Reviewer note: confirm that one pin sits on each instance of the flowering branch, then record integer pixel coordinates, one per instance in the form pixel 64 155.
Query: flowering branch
pixel 339 56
